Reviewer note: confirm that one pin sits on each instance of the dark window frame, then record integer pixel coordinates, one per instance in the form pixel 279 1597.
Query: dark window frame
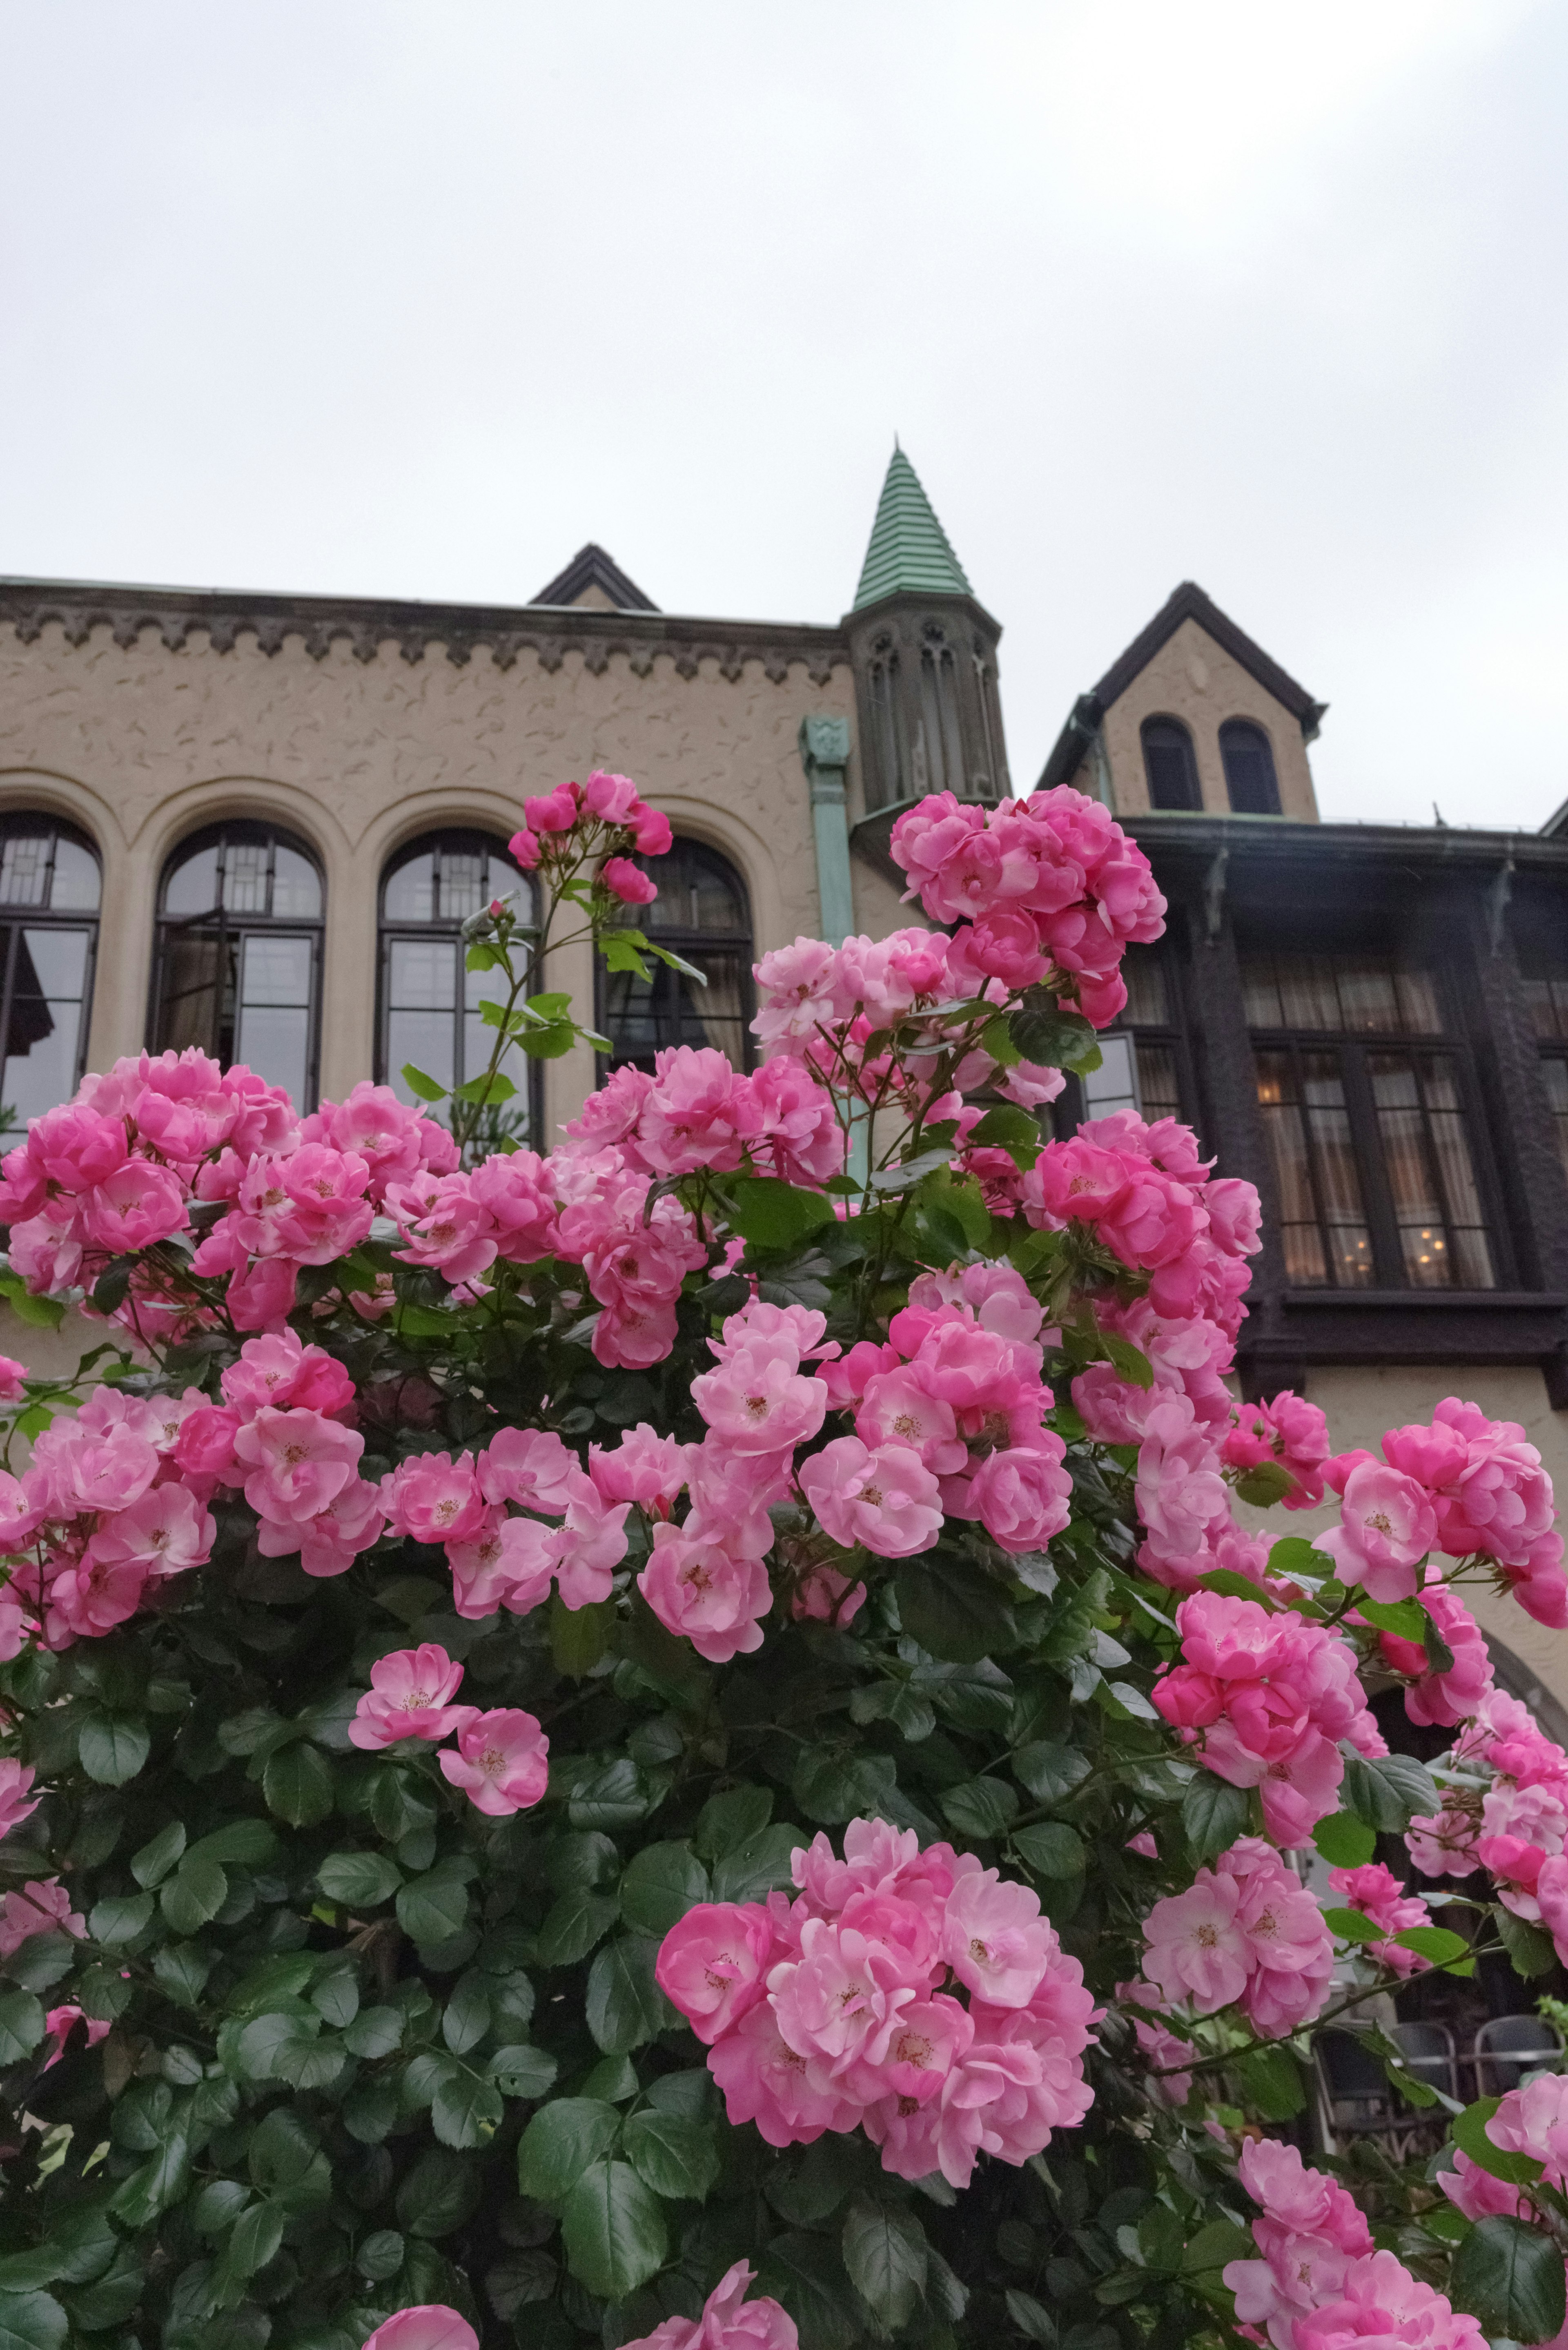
pixel 688 940
pixel 1184 747
pixel 1072 1108
pixel 17 916
pixel 1235 731
pixel 1352 1049
pixel 221 925
pixel 450 841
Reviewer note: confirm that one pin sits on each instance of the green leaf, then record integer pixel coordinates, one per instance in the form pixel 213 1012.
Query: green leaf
pixel 1213 1814
pixel 1052 1849
pixel 1511 2277
pixel 522 2071
pixel 1292 1557
pixel 1214 2244
pixel 576 1922
pixel 1433 1942
pixel 620 952
pixel 625 2006
pixel 120 1917
pixel 1128 1362
pixel 1468 2132
pixel 250 1843
pixel 1054 1039
pixel 32 2321
pixel 579 1635
pixel 1530 1952
pixel 1268 1483
pixel 727 1820
pixel 182 1968
pixel 255 2238
pixel 493 1085
pixel 112 1747
pixel 560 2143
pixel 759 1865
pixel 953 1611
pixel 375 2032
pixel 152 1864
pixel 980 1807
pixel 673 2155
pixel 297 1784
pixel 1352 1926
pixel 466 2109
pixel 1406 1619
pixel 380 2255
pixel 1270 2080
pixel 805 2272
pixel 418 1083
pixel 660 1884
pixel 465 2019
pixel 21 2026
pixel 1344 1841
pixel 359 1880
pixel 1031 2318
pixel 776 1215
pixel 433 1907
pixel 197 1891
pixel 611 1798
pixel 163 2180
pixel 833 1787
pixel 886 2254
pixel 438 2194
pixel 613 2230
pixel 1049 1771
pixel 1006 1128
pixel 1387 1793
pixel 42 1313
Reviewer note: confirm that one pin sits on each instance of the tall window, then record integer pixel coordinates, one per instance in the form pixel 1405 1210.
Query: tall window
pixel 701 913
pixel 1546 993
pixel 238 969
pixel 1170 764
pixel 941 739
pixel 1365 1113
pixel 1140 1058
pixel 888 767
pixel 1249 761
pixel 430 999
pixel 49 888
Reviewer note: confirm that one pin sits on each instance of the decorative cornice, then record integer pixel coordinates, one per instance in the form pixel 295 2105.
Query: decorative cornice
pixel 365 624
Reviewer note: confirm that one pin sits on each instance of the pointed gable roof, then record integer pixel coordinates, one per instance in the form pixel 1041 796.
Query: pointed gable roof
pixel 909 553
pixel 1186 602
pixel 591 567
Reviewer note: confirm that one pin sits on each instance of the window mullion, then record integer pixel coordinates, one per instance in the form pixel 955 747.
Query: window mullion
pixel 1366 1133
pixel 1315 1173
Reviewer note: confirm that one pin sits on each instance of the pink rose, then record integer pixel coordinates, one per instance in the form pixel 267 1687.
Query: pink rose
pixel 711 1964
pixel 885 1498
pixel 500 1762
pixel 409 1696
pixel 627 882
pixel 433 2326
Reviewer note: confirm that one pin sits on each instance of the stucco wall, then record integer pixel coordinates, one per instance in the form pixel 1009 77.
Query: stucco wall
pixel 1194 680
pixel 1360 1404
pixel 140 746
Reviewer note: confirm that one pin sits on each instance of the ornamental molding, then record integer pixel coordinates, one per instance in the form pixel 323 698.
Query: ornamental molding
pixel 31 605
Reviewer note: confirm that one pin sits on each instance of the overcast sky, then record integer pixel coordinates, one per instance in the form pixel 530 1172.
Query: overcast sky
pixel 411 300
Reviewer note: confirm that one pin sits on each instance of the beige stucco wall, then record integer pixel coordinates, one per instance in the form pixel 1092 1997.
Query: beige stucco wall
pixel 140 746
pixel 1194 680
pixel 1361 1403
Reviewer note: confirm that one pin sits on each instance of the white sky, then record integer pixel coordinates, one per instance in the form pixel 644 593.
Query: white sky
pixel 362 297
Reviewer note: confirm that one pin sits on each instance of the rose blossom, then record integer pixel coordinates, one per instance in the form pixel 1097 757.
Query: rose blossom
pixel 409 1696
pixel 884 1499
pixel 500 1762
pixel 729 2321
pixel 430 2326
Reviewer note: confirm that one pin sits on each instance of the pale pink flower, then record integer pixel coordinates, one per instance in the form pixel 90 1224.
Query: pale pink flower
pixel 712 1962
pixel 166 1531
pixel 140 1203
pixel 645 1467
pixel 1196 1946
pixel 435 1498
pixel 764 2080
pixel 840 2001
pixel 698 1590
pixel 593 1543
pixel 61 2022
pixel 756 1403
pixel 410 1696
pixel 37 1908
pixel 884 1499
pixel 1023 1495
pixel 17 1801
pixel 1382 2303
pixel 530 1466
pixel 87 1469
pixel 898 1406
pixel 1388 1527
pixel 277 1369
pixel 1442 1843
pixel 500 1762
pixel 295 1462
pixel 431 2325
pixel 729 2321
pixel 92 1595
pixel 995 1939
pixel 826 1596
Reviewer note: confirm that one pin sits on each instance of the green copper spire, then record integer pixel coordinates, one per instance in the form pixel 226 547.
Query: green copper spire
pixel 909 553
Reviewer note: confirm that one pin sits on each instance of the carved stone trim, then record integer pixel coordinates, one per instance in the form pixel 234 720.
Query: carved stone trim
pixel 30 606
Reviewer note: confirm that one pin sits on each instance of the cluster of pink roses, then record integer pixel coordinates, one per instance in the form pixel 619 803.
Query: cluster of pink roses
pixel 1244 1932
pixel 1451 1693
pixel 1505 1808
pixel 729 2321
pixel 1467 1485
pixel 840 2010
pixel 1288 1433
pixel 1318 2285
pixel 1376 1892
pixel 1530 2120
pixel 501 1759
pixel 1050 883
pixel 37 1907
pixel 606 817
pixel 1263 1699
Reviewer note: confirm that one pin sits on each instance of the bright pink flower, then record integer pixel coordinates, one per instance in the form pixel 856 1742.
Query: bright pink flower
pixel 512 1190
pixel 167 1530
pixel 755 1402
pixel 1388 1527
pixel 1023 1496
pixel 13 1378
pixel 524 849
pixel 501 1760
pixel 93 1594
pixel 61 2022
pixel 410 1696
pixel 729 2321
pixel 435 1498
pixel 431 2325
pixel 37 1908
pixel 693 1114
pixel 530 1466
pixel 884 1499
pixel 444 1225
pixel 554 811
pixel 1376 1893
pixel 1452 1695
pixel 697 1589
pixel 277 1369
pixel 711 1964
pixel 1285 1430
pixel 295 1462
pixel 627 882
pixel 17 1801
pixel 645 1467
pixel 765 2080
pixel 790 1123
pixel 205 1447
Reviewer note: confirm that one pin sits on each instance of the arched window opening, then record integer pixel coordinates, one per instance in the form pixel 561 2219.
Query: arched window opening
pixel 238 967
pixel 886 730
pixel 430 999
pixel 990 718
pixel 702 914
pixel 49 890
pixel 1170 766
pixel 1249 762
pixel 942 739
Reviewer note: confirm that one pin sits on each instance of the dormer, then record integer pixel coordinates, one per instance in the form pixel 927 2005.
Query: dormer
pixel 593 582
pixel 1193 717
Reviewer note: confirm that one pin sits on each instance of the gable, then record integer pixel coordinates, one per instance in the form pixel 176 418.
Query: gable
pixel 595 582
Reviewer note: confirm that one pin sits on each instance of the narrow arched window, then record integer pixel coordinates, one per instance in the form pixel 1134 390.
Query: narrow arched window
pixel 1249 761
pixel 942 739
pixel 886 783
pixel 430 1003
pixel 1168 764
pixel 701 913
pixel 238 969
pixel 49 889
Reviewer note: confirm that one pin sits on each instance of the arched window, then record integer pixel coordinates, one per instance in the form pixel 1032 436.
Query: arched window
pixel 430 999
pixel 942 739
pixel 702 914
pixel 1168 764
pixel 238 968
pixel 887 777
pixel 49 888
pixel 1249 761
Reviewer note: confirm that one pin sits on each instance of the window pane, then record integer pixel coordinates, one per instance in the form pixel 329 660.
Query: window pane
pixel 190 1011
pixel 1555 1072
pixel 411 891
pixel 25 867
pixel 1308 996
pixel 1347 1238
pixel 1260 993
pixel 1306 1265
pixel 275 1044
pixel 1158 1085
pixel 1418 1013
pixel 1368 998
pixel 425 1038
pixel 77 883
pixel 43 1036
pixel 1412 1175
pixel 60 959
pixel 1149 1003
pixel 1367 994
pixel 462 884
pixel 424 975
pixel 295 886
pixel 1473 1266
pixel 503 880
pixel 276 971
pixel 244 877
pixel 1112 1085
pixel 193 884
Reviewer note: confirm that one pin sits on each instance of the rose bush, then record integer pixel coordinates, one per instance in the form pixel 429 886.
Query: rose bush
pixel 680 1740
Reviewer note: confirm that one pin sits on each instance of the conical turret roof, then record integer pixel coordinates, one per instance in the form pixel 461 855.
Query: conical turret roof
pixel 909 554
